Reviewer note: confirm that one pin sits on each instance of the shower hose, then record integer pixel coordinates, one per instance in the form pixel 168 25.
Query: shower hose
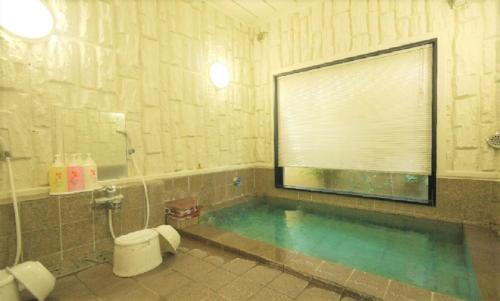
pixel 16 211
pixel 110 211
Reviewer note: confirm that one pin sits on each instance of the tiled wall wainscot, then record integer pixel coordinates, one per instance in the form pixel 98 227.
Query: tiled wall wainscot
pixel 59 230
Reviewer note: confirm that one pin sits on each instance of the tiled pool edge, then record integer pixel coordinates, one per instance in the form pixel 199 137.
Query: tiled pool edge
pixel 342 279
pixel 484 250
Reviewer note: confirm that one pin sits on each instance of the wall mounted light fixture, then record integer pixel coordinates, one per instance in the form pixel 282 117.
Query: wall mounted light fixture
pixel 26 18
pixel 219 74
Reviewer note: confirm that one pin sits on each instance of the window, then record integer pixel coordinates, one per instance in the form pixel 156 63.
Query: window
pixel 361 126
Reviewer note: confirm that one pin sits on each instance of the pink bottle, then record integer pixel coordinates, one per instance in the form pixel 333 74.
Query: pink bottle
pixel 76 181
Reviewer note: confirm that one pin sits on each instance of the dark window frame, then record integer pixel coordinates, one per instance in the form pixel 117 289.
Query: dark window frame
pixel 431 201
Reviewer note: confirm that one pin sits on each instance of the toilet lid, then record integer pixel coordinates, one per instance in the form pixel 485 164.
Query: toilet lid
pixel 171 236
pixel 136 237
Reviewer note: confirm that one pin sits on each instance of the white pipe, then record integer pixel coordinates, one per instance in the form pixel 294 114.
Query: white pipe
pixel 110 223
pixel 16 212
pixel 143 180
pixel 145 190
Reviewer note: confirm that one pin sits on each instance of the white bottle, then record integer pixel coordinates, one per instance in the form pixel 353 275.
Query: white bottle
pixel 90 172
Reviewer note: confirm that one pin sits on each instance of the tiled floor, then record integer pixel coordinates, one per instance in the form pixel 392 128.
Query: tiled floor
pixel 197 272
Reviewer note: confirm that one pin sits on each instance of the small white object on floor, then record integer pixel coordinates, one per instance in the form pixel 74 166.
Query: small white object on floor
pixel 33 276
pixel 138 252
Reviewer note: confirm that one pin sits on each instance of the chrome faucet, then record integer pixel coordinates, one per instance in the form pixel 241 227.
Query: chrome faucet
pixel 111 199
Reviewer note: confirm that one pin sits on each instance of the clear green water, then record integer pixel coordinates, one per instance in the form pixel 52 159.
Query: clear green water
pixel 421 252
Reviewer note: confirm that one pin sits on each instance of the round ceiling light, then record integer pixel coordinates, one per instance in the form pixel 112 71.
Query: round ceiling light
pixel 26 18
pixel 219 74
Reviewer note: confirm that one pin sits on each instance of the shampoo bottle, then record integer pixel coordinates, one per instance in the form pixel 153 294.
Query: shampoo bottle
pixel 76 181
pixel 58 177
pixel 90 172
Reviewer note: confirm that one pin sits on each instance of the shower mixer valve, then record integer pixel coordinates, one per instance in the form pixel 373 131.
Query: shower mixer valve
pixel 111 199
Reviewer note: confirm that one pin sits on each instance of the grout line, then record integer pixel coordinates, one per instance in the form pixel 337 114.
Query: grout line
pixel 147 288
pixel 60 229
pixel 23 245
pixel 93 223
pixel 254 183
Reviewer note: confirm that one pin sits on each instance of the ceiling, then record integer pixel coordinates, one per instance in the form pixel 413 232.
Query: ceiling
pixel 253 11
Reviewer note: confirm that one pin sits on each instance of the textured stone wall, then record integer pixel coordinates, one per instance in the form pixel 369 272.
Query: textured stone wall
pixel 469 62
pixel 148 59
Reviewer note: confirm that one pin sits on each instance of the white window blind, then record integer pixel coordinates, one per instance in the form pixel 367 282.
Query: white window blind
pixel 369 114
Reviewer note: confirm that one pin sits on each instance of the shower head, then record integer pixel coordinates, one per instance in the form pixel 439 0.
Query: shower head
pixel 131 150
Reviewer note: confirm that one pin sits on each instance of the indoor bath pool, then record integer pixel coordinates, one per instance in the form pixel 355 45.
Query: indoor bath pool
pixel 425 253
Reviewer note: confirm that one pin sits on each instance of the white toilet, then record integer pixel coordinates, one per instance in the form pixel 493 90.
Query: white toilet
pixel 8 287
pixel 138 252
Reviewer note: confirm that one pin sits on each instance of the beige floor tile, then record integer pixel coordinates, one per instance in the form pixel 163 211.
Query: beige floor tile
pixel 301 263
pixel 367 283
pixel 270 252
pixel 318 294
pixel 198 253
pixel 401 291
pixel 180 261
pixel 189 243
pixel 99 277
pixel 69 287
pixel 161 269
pixel 215 260
pixel 269 295
pixel 239 266
pixel 120 288
pixel 240 289
pixel 289 285
pixel 139 294
pixel 349 299
pixel 193 292
pixel 182 249
pixel 215 297
pixel 126 290
pixel 193 267
pixel 261 274
pixel 224 254
pixel 333 272
pixel 165 283
pixel 217 279
pixel 86 297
